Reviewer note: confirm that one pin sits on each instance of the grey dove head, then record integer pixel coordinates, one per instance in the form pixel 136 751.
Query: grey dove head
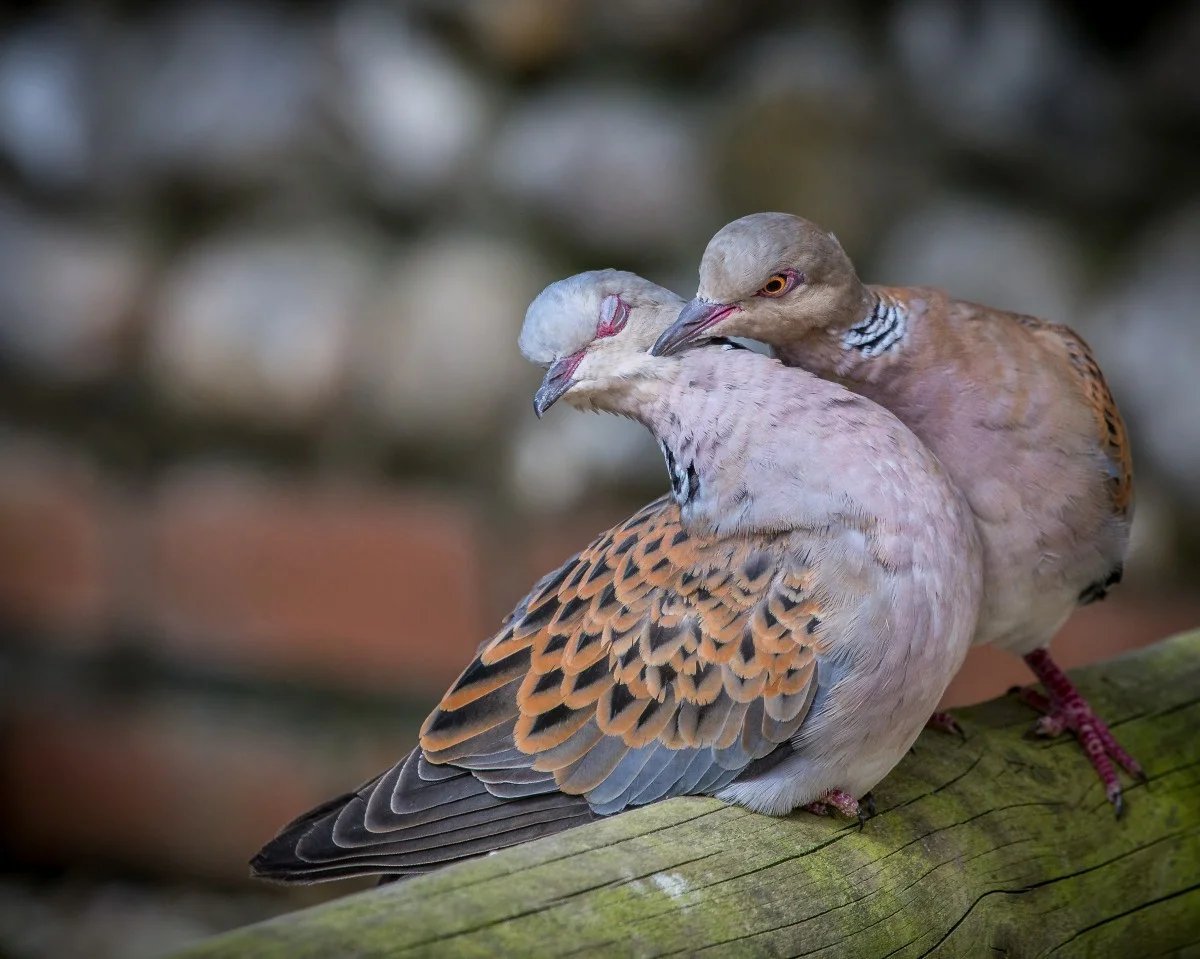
pixel 768 276
pixel 591 330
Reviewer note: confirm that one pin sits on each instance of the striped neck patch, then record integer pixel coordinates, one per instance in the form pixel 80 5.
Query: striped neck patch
pixel 882 329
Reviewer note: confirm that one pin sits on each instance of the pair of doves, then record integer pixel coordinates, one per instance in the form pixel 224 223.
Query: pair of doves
pixel 778 630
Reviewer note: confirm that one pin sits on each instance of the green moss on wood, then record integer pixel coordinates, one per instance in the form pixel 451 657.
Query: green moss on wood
pixel 1001 845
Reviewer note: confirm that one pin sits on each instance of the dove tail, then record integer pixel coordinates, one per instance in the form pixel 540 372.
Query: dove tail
pixel 414 818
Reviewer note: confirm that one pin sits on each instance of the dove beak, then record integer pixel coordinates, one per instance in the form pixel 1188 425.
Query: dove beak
pixel 696 317
pixel 557 381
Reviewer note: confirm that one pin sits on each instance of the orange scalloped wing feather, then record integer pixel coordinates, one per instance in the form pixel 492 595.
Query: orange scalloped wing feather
pixel 650 664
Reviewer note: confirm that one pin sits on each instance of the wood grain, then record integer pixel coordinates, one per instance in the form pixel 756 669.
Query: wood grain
pixel 996 846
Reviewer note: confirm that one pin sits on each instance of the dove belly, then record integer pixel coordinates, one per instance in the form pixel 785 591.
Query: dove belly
pixel 871 705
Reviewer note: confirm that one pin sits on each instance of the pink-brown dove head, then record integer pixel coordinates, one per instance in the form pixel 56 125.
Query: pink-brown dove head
pixel 772 277
pixel 592 332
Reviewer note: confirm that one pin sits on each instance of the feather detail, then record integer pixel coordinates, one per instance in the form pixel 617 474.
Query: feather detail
pixel 1110 427
pixel 648 636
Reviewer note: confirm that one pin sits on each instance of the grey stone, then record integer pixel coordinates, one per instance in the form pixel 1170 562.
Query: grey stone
pixel 983 71
pixel 438 354
pixel 612 168
pixel 987 253
pixel 68 293
pixel 414 112
pixel 221 92
pixel 44 120
pixel 260 327
pixel 1011 81
pixel 802 127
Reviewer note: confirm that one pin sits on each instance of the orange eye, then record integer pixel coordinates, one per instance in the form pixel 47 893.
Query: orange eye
pixel 778 284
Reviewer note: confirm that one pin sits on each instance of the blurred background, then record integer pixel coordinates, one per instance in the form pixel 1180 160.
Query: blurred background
pixel 268 468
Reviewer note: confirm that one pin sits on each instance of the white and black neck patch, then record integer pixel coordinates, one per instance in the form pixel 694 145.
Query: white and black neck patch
pixel 722 342
pixel 883 328
pixel 685 481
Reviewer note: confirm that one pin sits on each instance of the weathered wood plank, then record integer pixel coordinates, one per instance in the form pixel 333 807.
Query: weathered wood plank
pixel 999 845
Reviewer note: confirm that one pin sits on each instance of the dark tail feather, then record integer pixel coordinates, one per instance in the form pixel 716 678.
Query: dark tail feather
pixel 447 816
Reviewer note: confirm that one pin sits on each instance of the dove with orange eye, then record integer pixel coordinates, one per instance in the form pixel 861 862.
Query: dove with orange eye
pixel 1015 407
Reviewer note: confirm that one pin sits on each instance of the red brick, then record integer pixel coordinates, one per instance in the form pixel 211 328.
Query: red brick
pixel 56 520
pixel 364 587
pixel 174 791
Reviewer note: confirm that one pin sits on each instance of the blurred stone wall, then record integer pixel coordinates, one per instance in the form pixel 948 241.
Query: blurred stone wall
pixel 268 470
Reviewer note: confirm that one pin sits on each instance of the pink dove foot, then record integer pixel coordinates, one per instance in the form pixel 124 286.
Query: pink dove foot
pixel 945 722
pixel 1065 709
pixel 837 801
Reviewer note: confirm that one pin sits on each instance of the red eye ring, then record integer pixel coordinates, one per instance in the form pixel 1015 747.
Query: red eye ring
pixel 614 314
pixel 780 283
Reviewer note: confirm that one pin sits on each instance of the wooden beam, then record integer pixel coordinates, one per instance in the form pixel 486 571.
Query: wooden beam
pixel 999 845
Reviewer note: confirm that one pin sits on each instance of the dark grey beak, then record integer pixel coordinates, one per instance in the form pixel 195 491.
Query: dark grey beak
pixel 556 383
pixel 696 317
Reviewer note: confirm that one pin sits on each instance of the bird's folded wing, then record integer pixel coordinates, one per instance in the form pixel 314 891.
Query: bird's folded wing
pixel 650 665
pixel 1110 428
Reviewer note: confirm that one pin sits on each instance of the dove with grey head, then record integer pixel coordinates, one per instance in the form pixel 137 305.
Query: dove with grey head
pixel 772 633
pixel 1016 408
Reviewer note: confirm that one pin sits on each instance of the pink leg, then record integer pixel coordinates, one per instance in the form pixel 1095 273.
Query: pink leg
pixel 1065 709
pixel 844 803
pixel 945 723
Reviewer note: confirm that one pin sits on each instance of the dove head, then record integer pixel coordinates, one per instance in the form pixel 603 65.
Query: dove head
pixel 772 277
pixel 593 332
